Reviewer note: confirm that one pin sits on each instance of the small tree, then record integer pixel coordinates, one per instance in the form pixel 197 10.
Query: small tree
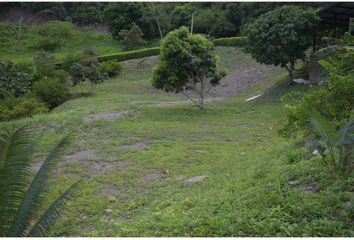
pixel 187 63
pixel 132 38
pixel 87 70
pixel 281 36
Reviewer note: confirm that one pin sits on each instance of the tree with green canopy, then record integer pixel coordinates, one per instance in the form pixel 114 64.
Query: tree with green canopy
pixel 187 64
pixel 281 37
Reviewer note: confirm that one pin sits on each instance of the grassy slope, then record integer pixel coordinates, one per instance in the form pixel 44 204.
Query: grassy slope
pixel 103 43
pixel 235 143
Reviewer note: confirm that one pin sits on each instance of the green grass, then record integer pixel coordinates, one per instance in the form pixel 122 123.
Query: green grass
pixel 82 39
pixel 234 143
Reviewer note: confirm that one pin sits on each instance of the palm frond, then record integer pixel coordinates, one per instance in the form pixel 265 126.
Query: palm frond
pixel 52 214
pixel 13 145
pixel 324 128
pixel 346 133
pixel 37 192
pixel 15 152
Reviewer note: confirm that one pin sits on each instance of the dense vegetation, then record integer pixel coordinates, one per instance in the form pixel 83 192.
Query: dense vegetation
pixel 263 158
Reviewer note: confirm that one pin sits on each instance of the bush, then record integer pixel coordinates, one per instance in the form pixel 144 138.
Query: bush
pixel 122 56
pixel 132 38
pixel 53 35
pixel 69 60
pixel 51 91
pixel 44 64
pixel 14 108
pixel 90 52
pixel 13 81
pixel 111 68
pixel 231 41
pixel 334 100
pixel 87 70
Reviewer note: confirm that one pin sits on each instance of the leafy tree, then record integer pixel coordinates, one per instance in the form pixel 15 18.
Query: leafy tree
pixel 187 63
pixel 13 81
pixel 132 38
pixel 214 23
pixel 86 70
pixel 22 199
pixel 281 36
pixel 120 16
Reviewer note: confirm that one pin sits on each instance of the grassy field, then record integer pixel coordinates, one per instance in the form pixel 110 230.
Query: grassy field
pixel 82 39
pixel 135 146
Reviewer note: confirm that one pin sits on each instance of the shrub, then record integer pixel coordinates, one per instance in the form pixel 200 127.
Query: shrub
pixel 132 38
pixel 13 81
pixel 69 60
pixel 53 35
pixel 122 56
pixel 111 68
pixel 44 64
pixel 339 144
pixel 90 52
pixel 334 100
pixel 87 70
pixel 297 155
pixel 14 108
pixel 51 91
pixel 230 41
pixel 47 44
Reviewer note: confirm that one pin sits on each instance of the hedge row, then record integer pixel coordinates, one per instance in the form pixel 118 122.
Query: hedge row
pixel 121 56
pixel 147 52
pixel 230 41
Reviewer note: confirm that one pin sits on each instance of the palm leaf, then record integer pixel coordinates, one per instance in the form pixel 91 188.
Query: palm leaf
pixel 37 192
pixel 15 152
pixel 324 128
pixel 52 214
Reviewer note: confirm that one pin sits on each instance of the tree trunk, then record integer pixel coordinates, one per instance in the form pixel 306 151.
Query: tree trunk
pixel 192 24
pixel 158 25
pixel 290 70
pixel 201 105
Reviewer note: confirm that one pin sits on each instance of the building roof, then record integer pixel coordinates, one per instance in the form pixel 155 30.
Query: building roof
pixel 337 14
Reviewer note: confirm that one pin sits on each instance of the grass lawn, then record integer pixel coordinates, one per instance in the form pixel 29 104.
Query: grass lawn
pixel 134 151
pixel 102 43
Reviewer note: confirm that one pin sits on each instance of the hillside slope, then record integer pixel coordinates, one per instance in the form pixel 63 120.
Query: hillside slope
pixel 136 147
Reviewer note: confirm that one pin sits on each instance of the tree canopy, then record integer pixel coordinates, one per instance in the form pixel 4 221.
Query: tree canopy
pixel 187 64
pixel 281 36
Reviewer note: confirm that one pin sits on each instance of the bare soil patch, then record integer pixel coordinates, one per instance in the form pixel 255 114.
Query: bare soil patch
pixel 107 116
pixel 112 190
pixel 82 155
pixel 137 145
pixel 152 177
